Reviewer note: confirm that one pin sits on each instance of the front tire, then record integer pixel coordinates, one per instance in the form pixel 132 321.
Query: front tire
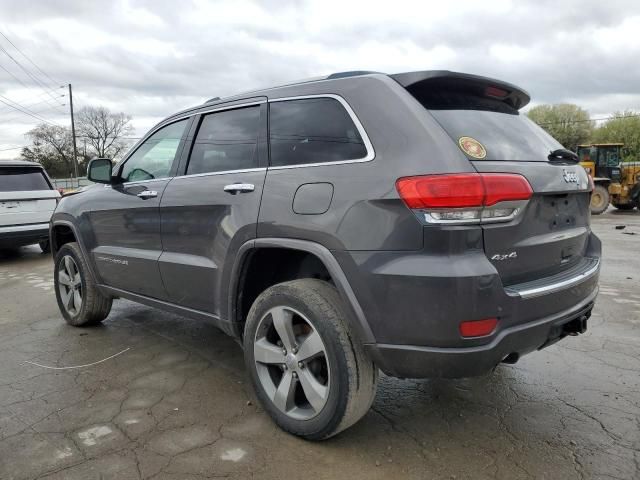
pixel 79 299
pixel 309 372
pixel 599 199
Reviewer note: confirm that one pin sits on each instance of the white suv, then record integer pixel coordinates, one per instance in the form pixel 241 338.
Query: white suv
pixel 27 200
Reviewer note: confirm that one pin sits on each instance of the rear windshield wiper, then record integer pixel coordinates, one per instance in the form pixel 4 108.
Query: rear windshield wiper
pixel 563 154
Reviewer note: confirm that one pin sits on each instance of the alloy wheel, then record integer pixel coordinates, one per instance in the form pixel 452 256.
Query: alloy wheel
pixel 70 285
pixel 291 362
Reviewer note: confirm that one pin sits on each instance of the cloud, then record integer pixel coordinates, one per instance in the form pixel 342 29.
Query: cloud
pixel 150 58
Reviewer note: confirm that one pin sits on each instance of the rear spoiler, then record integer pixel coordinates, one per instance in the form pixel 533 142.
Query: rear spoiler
pixel 513 96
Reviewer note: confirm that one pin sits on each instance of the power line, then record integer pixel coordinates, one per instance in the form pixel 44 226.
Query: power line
pixel 5 111
pixel 108 138
pixel 35 112
pixel 11 73
pixel 590 120
pixel 55 82
pixel 26 111
pixel 14 148
pixel 42 94
pixel 36 80
pixel 13 103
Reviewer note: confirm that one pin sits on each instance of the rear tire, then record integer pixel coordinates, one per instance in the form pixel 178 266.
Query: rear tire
pixel 324 392
pixel 79 299
pixel 599 199
pixel 45 246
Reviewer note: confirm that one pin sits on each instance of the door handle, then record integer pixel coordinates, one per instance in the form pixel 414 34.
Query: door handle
pixel 234 188
pixel 147 194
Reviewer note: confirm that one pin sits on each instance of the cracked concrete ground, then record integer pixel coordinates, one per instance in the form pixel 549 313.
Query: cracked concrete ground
pixel 177 404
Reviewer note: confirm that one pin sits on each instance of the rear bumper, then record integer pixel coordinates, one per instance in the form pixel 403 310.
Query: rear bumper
pixel 414 303
pixel 410 361
pixel 19 235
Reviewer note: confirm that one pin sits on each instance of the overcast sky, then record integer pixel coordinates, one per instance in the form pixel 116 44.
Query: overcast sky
pixel 150 58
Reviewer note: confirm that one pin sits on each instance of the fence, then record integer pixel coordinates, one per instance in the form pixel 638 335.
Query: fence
pixel 70 182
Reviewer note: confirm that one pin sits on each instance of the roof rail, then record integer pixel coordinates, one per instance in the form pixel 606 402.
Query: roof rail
pixel 214 99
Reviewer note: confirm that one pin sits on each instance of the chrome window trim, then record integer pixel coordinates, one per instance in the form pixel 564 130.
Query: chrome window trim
pixel 202 112
pixel 223 172
pixel 178 119
pixel 354 118
pixel 141 182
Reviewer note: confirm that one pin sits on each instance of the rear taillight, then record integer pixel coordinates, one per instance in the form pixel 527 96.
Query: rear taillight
pixel 442 191
pixel 465 197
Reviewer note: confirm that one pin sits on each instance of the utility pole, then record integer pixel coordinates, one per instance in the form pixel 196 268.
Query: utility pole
pixel 73 134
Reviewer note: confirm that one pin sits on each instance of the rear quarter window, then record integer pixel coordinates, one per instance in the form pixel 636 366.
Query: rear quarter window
pixel 312 130
pixel 22 179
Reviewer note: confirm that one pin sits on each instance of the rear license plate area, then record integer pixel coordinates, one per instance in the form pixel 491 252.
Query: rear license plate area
pixel 562 210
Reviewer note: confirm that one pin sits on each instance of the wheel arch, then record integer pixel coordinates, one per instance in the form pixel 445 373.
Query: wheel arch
pixel 238 281
pixel 64 231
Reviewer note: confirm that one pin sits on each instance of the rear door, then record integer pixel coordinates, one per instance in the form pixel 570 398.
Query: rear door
pixel 212 209
pixel 549 234
pixel 125 218
pixel 26 197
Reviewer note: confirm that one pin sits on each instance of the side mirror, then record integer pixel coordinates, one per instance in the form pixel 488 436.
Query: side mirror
pixel 99 170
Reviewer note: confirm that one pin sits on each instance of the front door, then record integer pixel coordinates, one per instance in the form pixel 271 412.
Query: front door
pixel 211 210
pixel 125 217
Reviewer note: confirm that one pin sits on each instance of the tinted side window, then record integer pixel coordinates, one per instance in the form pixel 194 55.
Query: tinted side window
pixel 312 130
pixel 17 179
pixel 153 159
pixel 226 140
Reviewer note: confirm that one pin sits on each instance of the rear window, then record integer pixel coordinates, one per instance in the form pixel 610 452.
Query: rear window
pixel 312 130
pixel 501 129
pixel 20 179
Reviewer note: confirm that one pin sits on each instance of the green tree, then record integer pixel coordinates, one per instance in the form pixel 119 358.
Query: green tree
pixel 623 127
pixel 567 123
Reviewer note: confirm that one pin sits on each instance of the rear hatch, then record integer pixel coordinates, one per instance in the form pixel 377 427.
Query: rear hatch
pixel 26 196
pixel 550 234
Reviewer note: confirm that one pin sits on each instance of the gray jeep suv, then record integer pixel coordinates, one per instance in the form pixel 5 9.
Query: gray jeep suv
pixel 415 223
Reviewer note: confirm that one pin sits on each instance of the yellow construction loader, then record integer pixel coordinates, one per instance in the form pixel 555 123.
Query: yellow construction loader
pixel 615 182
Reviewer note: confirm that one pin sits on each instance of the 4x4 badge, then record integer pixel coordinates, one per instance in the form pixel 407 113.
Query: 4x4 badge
pixel 504 256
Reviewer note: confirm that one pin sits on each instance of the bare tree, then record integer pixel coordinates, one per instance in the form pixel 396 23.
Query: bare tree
pixel 51 147
pixel 104 130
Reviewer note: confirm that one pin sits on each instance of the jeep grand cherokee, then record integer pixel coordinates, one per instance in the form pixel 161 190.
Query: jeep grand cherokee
pixel 415 223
